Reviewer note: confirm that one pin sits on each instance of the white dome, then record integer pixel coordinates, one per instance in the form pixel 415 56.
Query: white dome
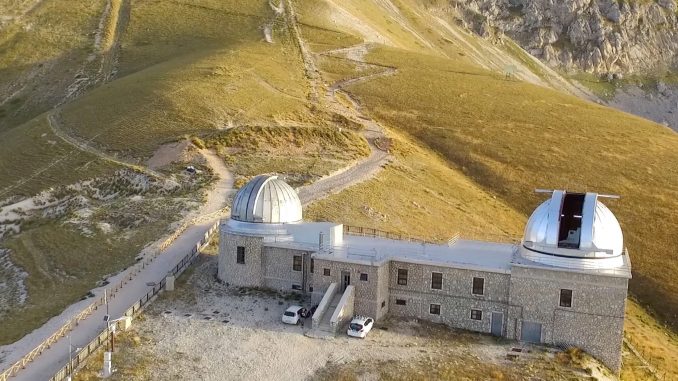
pixel 266 199
pixel 574 230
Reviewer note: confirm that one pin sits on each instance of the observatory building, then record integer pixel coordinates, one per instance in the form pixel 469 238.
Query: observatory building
pixel 564 284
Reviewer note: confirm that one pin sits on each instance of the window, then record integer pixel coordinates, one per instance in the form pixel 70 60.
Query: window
pixel 312 264
pixel 296 263
pixel 437 281
pixel 400 302
pixel 296 287
pixel 240 255
pixel 476 314
pixel 565 298
pixel 434 309
pixel 383 303
pixel 478 286
pixel 326 272
pixel 363 276
pixel 402 277
pixel 310 288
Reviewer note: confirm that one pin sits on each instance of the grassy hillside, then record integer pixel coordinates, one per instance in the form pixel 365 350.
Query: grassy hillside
pixel 42 49
pixel 542 139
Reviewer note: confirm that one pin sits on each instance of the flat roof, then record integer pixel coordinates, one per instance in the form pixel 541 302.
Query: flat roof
pixel 464 254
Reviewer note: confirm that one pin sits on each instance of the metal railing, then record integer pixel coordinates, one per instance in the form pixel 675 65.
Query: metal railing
pixel 72 323
pixel 104 337
pixel 376 233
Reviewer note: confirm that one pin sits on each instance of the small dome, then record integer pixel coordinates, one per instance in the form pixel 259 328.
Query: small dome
pixel 266 199
pixel 574 230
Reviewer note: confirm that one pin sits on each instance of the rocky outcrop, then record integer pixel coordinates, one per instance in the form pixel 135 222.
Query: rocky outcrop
pixel 598 36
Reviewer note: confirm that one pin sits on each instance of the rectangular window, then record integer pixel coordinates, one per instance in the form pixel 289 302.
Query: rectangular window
pixel 296 287
pixel 402 277
pixel 478 286
pixel 565 298
pixel 363 276
pixel 326 272
pixel 437 281
pixel 241 255
pixel 400 302
pixel 476 314
pixel 434 309
pixel 296 263
pixel 312 264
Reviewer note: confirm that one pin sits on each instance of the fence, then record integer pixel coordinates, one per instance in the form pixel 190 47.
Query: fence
pixel 104 337
pixel 68 326
pixel 376 233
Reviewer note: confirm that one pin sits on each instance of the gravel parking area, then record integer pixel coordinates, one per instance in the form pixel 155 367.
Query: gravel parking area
pixel 205 330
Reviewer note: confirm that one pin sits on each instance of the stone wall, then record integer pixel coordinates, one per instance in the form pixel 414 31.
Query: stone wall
pixel 455 298
pixel 594 322
pixel 279 273
pixel 367 296
pixel 249 274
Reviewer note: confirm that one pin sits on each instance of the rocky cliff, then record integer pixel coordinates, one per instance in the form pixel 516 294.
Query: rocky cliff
pixel 598 36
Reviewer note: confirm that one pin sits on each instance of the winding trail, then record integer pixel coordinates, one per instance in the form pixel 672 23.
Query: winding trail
pixel 83 145
pixel 363 169
pixel 214 208
pixel 52 359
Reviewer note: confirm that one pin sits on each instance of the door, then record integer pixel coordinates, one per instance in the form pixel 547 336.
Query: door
pixel 497 323
pixel 530 332
pixel 345 280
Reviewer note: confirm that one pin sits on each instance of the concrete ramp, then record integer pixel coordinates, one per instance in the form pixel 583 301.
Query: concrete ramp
pixel 343 312
pixel 334 311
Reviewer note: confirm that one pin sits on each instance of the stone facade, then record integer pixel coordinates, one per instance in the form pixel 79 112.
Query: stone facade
pixel 594 322
pixel 455 298
pixel 510 297
pixel 250 273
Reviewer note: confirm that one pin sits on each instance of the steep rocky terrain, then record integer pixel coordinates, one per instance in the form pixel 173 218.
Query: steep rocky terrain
pixel 598 36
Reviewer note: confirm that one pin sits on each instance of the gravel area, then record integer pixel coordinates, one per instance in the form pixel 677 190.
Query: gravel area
pixel 208 331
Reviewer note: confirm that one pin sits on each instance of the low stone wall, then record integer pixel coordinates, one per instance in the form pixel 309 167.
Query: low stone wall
pixel 324 305
pixel 344 311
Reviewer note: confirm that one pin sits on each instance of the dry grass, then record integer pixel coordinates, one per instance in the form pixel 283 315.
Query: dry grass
pixel 40 55
pixel 32 159
pixel 301 154
pixel 205 71
pixel 132 360
pixel 421 196
pixel 111 25
pixel 655 342
pixel 64 263
pixel 511 137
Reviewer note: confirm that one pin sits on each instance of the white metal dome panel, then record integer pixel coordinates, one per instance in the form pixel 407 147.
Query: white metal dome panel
pixel 266 199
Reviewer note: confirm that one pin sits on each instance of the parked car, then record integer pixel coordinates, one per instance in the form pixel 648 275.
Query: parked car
pixel 293 314
pixel 360 326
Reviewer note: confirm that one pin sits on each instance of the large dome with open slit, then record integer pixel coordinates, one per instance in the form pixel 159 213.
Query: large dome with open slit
pixel 573 226
pixel 266 199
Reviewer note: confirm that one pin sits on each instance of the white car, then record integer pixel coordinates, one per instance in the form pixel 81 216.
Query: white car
pixel 360 326
pixel 293 314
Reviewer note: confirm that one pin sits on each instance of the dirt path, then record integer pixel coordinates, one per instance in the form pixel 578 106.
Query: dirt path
pixel 53 358
pixel 366 168
pixel 83 145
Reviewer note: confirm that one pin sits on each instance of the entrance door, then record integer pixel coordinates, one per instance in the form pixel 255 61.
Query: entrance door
pixel 345 280
pixel 530 332
pixel 497 323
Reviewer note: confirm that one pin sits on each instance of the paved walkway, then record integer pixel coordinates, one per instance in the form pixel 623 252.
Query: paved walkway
pixel 51 360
